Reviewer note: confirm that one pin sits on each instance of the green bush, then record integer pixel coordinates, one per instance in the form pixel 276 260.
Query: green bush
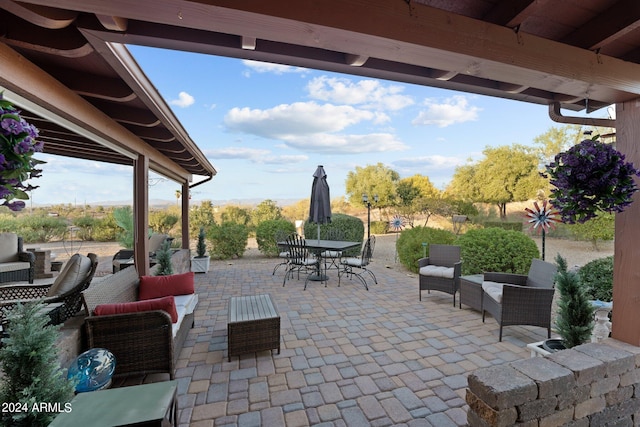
pixel 602 227
pixel 41 228
pixel 267 231
pixel 409 244
pixel 352 228
pixel 8 223
pixel 379 227
pixel 228 239
pixel 162 221
pixel 597 278
pixel 86 225
pixel 106 229
pixel 496 249
pixel 505 225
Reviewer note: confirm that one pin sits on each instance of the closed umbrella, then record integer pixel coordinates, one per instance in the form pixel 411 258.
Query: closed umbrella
pixel 320 207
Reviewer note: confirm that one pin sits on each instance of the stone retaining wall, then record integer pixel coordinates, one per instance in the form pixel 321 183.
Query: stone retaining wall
pixel 588 385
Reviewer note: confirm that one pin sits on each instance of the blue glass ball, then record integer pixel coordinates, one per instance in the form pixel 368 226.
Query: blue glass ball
pixel 92 370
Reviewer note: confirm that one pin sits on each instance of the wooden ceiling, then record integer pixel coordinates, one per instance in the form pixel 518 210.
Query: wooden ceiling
pixel 577 54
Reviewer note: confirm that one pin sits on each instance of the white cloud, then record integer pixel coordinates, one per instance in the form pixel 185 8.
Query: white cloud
pixel 431 162
pixel 235 153
pixel 451 111
pixel 184 100
pixel 254 155
pixel 346 144
pixel 268 67
pixel 365 93
pixel 300 118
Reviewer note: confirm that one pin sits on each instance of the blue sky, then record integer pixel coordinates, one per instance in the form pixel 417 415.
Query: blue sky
pixel 266 127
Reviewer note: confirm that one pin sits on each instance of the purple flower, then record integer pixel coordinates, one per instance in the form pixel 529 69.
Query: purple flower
pixel 590 177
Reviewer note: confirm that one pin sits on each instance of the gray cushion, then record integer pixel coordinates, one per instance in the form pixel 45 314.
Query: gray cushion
pixel 72 274
pixel 437 271
pixel 493 289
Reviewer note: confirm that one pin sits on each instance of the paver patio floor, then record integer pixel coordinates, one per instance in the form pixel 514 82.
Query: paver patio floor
pixel 349 357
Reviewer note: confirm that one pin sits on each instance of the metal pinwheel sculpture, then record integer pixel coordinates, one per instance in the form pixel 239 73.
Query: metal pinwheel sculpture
pixel 397 223
pixel 542 218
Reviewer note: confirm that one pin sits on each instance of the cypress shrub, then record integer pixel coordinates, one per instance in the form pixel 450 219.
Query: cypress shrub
pixel 575 313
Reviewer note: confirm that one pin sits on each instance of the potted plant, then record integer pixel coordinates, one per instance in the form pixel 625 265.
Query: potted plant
pixel 588 178
pixel 200 263
pixel 163 256
pixel 31 373
pixel 575 312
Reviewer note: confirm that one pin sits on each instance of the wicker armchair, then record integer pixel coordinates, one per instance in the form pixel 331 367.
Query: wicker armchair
pixel 516 299
pixel 72 280
pixel 121 257
pixel 16 265
pixel 440 271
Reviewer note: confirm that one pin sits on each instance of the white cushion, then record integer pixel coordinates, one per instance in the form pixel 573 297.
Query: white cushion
pixel 353 262
pixel 284 254
pixel 185 304
pixel 8 247
pixel 72 274
pixel 493 289
pixel 437 271
pixel 331 254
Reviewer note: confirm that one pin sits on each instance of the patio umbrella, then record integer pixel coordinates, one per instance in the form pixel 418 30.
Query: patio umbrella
pixel 320 207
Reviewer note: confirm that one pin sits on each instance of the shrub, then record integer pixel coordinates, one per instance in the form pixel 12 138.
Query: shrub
pixel 601 227
pixel 597 278
pixel 379 227
pixel 124 218
pixel 267 232
pixel 228 239
pixel 162 221
pixel 575 314
pixel 41 228
pixel 163 256
pixel 506 225
pixel 352 228
pixel 201 246
pixel 496 249
pixel 409 244
pixel 86 225
pixel 106 229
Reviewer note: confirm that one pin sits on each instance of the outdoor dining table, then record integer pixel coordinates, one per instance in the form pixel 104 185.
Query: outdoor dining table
pixel 318 246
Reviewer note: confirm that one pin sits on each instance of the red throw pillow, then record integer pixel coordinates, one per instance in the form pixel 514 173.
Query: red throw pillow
pixel 167 304
pixel 161 286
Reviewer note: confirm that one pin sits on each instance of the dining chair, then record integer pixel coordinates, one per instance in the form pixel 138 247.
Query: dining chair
pixel 357 266
pixel 299 258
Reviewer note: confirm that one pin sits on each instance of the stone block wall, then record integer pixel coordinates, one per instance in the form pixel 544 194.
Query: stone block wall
pixel 588 385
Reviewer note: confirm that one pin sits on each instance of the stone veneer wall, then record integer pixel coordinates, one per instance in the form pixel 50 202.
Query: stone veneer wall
pixel 588 385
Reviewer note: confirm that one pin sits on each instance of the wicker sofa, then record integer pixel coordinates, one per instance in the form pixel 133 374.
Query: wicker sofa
pixel 142 342
pixel 16 265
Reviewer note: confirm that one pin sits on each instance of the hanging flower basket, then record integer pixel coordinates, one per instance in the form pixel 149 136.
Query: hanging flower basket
pixel 17 145
pixel 588 178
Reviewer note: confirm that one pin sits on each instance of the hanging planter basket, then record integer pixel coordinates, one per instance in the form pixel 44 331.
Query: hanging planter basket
pixel 590 177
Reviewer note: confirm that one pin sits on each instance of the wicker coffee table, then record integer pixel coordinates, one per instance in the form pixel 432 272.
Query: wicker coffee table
pixel 471 291
pixel 254 325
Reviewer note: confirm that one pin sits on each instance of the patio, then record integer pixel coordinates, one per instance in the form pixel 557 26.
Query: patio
pixel 349 356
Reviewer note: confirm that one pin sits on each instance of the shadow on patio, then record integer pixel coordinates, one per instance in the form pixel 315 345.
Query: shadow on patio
pixel 349 357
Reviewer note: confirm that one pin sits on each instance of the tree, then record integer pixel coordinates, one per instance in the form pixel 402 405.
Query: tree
pixel 201 216
pixel 371 180
pixel 506 174
pixel 266 210
pixel 555 140
pixel 236 214
pixel 178 195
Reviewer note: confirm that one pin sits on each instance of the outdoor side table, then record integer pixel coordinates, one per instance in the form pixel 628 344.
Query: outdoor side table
pixel 254 325
pixel 152 404
pixel 471 291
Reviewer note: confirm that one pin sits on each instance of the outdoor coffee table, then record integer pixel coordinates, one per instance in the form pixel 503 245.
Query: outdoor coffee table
pixel 471 291
pixel 152 404
pixel 254 325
